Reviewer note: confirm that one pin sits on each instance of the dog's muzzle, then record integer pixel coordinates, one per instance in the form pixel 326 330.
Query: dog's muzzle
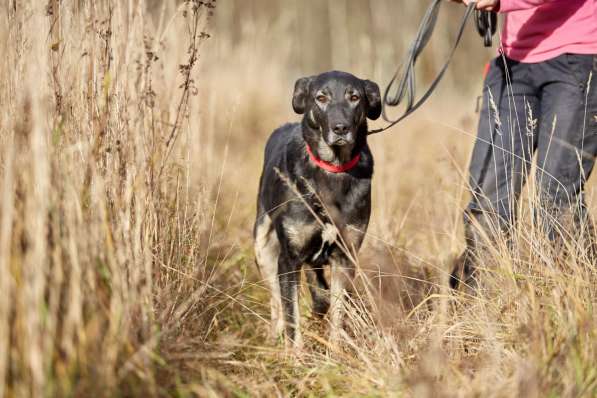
pixel 340 135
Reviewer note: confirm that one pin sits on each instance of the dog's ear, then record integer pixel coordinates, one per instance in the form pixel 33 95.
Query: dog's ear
pixel 373 99
pixel 301 94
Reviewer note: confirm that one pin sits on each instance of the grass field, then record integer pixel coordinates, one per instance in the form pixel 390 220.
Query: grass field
pixel 131 141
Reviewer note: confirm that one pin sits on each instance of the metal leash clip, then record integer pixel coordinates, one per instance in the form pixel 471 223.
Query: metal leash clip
pixel 486 22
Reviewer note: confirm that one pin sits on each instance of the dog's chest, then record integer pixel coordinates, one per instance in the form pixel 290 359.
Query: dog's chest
pixel 334 212
pixel 340 199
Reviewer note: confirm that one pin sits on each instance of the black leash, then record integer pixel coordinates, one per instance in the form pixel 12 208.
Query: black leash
pixel 486 25
pixel 406 85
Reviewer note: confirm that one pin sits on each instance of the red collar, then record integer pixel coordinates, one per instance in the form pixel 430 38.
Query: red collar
pixel 332 168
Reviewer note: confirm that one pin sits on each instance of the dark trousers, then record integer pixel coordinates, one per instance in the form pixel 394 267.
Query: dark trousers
pixel 548 108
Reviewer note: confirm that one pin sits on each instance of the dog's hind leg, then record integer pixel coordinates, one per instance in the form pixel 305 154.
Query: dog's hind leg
pixel 267 251
pixel 320 291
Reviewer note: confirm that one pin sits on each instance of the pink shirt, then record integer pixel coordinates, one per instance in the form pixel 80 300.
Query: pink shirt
pixel 538 30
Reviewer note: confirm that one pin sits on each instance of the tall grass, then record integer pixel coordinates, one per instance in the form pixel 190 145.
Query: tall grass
pixel 101 258
pixel 130 151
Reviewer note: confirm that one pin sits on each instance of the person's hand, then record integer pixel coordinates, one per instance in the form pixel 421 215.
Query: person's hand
pixel 484 5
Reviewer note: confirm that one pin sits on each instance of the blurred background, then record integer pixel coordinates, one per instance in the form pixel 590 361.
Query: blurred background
pixel 369 38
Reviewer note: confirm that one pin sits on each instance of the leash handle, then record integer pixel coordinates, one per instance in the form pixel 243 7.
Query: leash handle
pixel 407 83
pixel 486 22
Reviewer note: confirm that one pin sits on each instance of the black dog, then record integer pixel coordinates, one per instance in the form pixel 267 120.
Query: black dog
pixel 314 197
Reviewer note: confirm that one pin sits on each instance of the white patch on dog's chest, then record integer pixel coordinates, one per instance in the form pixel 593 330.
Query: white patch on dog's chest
pixel 329 234
pixel 299 233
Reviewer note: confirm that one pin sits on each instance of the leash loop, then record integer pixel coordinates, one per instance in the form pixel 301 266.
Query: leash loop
pixel 404 77
pixel 486 22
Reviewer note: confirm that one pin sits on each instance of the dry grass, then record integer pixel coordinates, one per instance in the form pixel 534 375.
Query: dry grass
pixel 128 174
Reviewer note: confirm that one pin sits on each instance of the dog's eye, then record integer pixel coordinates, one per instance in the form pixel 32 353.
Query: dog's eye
pixel 354 98
pixel 322 98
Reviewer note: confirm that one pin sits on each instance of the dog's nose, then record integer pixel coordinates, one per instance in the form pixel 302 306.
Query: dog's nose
pixel 340 128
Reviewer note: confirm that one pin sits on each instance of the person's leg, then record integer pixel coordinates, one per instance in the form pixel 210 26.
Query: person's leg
pixel 567 142
pixel 500 161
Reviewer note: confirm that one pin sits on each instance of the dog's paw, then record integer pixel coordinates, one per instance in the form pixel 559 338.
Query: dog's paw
pixel 321 307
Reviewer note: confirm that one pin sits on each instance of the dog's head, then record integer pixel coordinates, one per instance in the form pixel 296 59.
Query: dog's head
pixel 337 104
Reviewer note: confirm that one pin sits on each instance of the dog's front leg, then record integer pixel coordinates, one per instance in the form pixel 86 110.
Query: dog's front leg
pixel 342 275
pixel 289 273
pixel 267 251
